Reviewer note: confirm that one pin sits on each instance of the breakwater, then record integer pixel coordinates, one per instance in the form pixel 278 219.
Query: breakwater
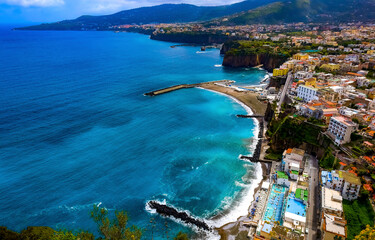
pixel 249 116
pixel 170 89
pixel 182 86
pixel 168 211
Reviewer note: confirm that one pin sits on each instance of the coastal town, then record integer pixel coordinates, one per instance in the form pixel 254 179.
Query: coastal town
pixel 316 134
pixel 319 180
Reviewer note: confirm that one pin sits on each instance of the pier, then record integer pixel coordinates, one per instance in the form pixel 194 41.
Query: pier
pixel 183 86
pixel 170 89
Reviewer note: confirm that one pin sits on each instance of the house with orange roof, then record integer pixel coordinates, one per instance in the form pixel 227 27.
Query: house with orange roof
pixel 368 187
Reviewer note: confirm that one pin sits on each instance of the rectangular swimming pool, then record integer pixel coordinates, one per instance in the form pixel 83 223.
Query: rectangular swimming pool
pixel 275 204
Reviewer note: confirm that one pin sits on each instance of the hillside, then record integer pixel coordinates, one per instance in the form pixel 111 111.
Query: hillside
pixel 166 13
pixel 288 11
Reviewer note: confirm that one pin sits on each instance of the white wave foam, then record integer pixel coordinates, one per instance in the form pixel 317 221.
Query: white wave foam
pixel 218 65
pixel 247 109
pixel 242 206
pixel 200 52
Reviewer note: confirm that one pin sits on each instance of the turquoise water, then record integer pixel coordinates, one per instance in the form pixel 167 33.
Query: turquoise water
pixel 295 206
pixel 275 204
pixel 76 130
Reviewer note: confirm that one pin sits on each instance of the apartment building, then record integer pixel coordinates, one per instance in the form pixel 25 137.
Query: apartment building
pixel 340 129
pixel 307 93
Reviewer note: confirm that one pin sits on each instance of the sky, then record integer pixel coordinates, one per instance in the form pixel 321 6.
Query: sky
pixel 42 11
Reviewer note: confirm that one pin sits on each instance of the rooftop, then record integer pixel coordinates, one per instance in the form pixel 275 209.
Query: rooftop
pixel 344 120
pixel 351 178
pixel 298 151
pixel 331 199
pixel 334 224
pixel 281 175
pixel 302 194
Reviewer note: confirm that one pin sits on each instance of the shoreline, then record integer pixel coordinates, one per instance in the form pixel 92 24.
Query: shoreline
pixel 225 225
pixel 249 102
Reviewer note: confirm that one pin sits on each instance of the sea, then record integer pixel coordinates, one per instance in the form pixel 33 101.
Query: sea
pixel 77 131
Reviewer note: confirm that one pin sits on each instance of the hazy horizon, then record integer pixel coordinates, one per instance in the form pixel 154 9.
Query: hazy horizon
pixel 43 11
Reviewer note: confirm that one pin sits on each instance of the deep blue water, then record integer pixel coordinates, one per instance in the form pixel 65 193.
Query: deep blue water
pixel 76 129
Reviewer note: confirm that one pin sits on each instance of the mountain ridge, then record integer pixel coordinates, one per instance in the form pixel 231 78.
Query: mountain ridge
pixel 165 13
pixel 242 13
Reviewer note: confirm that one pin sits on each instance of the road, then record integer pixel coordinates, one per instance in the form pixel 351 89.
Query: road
pixel 285 89
pixel 313 212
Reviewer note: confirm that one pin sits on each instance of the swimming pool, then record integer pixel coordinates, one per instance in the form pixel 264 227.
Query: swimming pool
pixel 295 206
pixel 275 202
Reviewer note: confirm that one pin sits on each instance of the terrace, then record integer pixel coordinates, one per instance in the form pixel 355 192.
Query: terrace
pixel 295 212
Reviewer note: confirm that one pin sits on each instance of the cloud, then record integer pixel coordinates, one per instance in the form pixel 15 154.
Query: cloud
pixel 36 3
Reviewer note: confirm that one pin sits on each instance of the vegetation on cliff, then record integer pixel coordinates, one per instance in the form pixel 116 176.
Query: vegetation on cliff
pixel 109 227
pixel 245 48
pixel 291 132
pixel 358 213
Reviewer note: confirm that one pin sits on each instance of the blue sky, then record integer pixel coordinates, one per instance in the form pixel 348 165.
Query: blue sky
pixel 37 11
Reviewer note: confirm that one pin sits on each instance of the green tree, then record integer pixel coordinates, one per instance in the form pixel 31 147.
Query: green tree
pixel 69 235
pixel 116 228
pixel 366 234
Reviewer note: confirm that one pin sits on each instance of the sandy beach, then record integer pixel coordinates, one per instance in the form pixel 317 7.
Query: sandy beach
pixel 248 98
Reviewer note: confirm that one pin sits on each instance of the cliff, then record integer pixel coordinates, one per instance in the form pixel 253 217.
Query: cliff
pixel 269 61
pixel 191 37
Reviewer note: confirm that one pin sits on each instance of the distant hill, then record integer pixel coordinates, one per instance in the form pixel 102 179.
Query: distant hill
pixel 287 11
pixel 166 13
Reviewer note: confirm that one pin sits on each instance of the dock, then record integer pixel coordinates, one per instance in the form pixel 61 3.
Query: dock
pixel 183 86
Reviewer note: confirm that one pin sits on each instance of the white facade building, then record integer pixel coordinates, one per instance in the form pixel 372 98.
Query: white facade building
pixel 340 129
pixel 307 93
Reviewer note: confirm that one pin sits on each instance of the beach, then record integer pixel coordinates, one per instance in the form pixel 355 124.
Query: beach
pixel 249 99
pixel 246 97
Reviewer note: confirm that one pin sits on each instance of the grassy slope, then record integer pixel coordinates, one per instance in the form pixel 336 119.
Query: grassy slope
pixel 358 214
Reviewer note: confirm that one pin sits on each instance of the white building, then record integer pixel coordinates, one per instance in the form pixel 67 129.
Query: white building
pixel 332 201
pixel 303 75
pixel 333 180
pixel 307 93
pixel 352 185
pixel 292 162
pixel 348 184
pixel 340 129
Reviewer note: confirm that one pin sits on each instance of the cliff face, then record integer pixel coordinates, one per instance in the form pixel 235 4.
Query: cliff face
pixel 269 61
pixel 204 39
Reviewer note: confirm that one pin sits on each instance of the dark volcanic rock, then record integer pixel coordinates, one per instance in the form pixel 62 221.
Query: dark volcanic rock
pixel 167 211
